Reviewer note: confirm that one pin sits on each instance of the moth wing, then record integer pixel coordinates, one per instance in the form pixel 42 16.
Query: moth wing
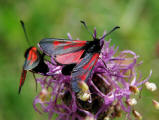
pixel 83 70
pixel 69 58
pixel 32 59
pixel 22 79
pixel 64 51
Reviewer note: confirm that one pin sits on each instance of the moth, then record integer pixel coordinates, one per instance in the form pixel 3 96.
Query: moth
pixel 78 56
pixel 34 61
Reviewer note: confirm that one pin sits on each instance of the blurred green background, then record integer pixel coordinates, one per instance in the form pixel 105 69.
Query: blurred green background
pixel 138 19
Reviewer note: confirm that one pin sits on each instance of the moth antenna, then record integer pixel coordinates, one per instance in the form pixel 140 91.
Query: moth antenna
pixel 110 32
pixel 25 33
pixel 85 25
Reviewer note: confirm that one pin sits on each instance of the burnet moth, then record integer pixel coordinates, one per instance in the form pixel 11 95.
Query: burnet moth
pixel 79 57
pixel 34 61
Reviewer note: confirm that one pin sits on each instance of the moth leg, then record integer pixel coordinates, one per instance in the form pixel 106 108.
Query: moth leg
pixel 36 85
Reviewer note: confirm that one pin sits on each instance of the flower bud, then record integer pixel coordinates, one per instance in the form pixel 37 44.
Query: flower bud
pixel 106 118
pixel 89 118
pixel 137 115
pixel 83 86
pixel 118 111
pixel 44 94
pixel 151 86
pixel 134 89
pixel 156 104
pixel 84 96
pixel 131 102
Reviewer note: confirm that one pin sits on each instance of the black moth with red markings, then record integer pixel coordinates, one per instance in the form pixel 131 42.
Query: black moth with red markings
pixel 34 62
pixel 80 56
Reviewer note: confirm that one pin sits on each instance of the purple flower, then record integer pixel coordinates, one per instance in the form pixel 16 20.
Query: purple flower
pixel 112 86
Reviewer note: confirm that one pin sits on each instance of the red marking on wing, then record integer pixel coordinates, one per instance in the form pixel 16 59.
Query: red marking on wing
pixel 79 41
pixel 89 66
pixel 74 45
pixel 68 42
pixel 92 59
pixel 69 58
pixel 22 78
pixel 55 43
pixel 84 76
pixel 32 57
